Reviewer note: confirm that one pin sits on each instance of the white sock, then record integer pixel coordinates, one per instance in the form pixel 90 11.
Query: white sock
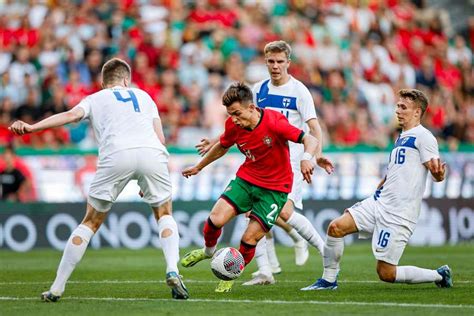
pixel 209 251
pixel 333 250
pixel 295 236
pixel 75 248
pixel 261 257
pixel 304 227
pixel 169 244
pixel 271 253
pixel 412 275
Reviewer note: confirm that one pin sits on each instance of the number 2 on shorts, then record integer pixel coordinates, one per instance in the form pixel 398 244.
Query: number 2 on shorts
pixel 272 215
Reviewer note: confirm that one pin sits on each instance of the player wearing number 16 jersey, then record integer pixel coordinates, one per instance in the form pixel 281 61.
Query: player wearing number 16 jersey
pixel 390 215
pixel 131 147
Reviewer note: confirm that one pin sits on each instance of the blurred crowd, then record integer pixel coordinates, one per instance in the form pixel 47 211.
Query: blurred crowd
pixel 352 55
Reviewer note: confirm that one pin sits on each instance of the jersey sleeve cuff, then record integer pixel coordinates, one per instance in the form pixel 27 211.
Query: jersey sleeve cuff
pixel 300 138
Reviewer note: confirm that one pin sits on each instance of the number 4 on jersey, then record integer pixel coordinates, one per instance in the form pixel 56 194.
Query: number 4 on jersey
pixel 132 98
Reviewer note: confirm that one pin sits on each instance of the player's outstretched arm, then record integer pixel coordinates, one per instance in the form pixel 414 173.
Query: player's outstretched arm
pixel 436 168
pixel 215 153
pixel 205 145
pixel 60 119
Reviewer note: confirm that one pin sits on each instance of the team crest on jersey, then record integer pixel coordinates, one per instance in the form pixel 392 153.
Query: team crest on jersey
pixel 286 102
pixel 267 140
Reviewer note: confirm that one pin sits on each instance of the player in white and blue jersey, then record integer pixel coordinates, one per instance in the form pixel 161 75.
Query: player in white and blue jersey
pixel 391 214
pixel 131 147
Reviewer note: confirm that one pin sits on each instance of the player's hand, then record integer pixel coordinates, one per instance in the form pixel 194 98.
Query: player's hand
pixel 325 164
pixel 204 146
pixel 20 128
pixel 191 171
pixel 307 169
pixel 437 168
pixel 140 193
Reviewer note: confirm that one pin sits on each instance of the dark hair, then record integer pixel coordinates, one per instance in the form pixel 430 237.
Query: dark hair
pixel 278 47
pixel 115 70
pixel 237 92
pixel 416 96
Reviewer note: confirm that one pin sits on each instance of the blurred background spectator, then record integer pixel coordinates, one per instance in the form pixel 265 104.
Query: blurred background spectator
pixel 354 56
pixel 15 178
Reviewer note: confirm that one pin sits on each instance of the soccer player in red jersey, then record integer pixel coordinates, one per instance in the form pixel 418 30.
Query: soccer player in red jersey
pixel 262 182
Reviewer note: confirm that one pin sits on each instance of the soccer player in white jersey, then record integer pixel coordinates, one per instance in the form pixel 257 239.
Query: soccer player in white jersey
pixel 131 146
pixel 283 93
pixel 390 215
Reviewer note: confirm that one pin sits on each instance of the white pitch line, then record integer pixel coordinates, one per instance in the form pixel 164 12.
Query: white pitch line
pixel 190 281
pixel 198 300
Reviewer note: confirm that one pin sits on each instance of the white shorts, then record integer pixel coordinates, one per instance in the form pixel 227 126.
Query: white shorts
pixel 390 233
pixel 147 165
pixel 296 194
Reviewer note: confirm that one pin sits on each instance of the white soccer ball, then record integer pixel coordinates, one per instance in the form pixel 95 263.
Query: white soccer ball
pixel 227 264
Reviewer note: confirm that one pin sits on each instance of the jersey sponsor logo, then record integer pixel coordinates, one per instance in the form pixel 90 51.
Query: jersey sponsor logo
pixel 261 99
pixel 267 140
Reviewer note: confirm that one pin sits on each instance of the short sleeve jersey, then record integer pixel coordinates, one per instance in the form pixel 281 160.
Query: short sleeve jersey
pixel 293 100
pixel 122 118
pixel 404 186
pixel 267 162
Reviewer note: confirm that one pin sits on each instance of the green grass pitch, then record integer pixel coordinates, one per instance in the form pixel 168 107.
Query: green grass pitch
pixel 126 282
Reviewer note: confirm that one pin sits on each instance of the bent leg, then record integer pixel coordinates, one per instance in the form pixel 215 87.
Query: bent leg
pixel 303 226
pixel 250 238
pixel 334 246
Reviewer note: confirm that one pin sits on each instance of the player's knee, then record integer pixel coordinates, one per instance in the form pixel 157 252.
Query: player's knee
pixel 285 214
pixel 386 275
pixel 217 220
pixel 249 239
pixel 335 230
pixel 93 224
pixel 166 233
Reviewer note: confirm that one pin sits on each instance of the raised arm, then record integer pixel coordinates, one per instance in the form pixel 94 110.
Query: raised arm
pixel 60 119
pixel 215 153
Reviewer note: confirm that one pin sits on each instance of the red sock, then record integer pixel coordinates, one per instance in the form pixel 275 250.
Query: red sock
pixel 211 233
pixel 247 251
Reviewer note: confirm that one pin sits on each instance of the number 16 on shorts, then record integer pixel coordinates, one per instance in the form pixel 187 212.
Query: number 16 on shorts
pixel 383 240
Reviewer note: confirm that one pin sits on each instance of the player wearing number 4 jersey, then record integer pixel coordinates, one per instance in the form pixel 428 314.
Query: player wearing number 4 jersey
pixel 131 146
pixel 262 182
pixel 390 215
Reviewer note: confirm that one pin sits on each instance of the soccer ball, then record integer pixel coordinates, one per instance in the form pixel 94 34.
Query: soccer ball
pixel 227 264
